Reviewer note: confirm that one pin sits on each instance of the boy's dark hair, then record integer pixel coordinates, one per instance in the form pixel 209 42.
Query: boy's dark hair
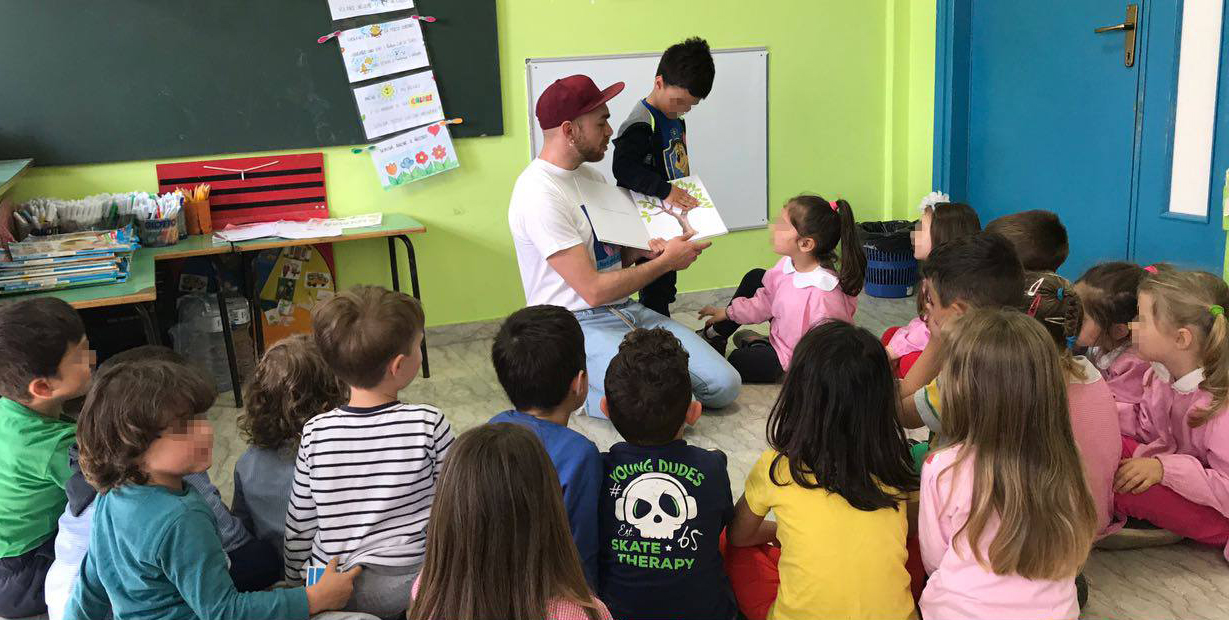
pixel 648 388
pixel 291 385
pixel 1039 237
pixel 35 334
pixel 144 352
pixel 537 353
pixel 830 224
pixel 361 330
pixel 688 65
pixel 835 420
pixel 129 405
pixel 981 270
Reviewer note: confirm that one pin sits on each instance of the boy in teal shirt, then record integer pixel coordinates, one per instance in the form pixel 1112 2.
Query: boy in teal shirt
pixel 45 360
pixel 154 550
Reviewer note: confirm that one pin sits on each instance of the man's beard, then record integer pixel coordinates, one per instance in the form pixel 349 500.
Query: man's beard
pixel 590 152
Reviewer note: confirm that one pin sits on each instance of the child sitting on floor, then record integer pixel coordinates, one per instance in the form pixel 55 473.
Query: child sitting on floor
pixel 254 564
pixel 45 359
pixel 664 502
pixel 940 222
pixel 1051 300
pixel 1109 292
pixel 498 544
pixel 291 385
pixel 805 287
pixel 539 357
pixel 1175 446
pixel 1006 518
pixel 154 550
pixel 836 476
pixel 366 471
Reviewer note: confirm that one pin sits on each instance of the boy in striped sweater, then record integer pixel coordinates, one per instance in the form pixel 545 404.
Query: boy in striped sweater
pixel 366 472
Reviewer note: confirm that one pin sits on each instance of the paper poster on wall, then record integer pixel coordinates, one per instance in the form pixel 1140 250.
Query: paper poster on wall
pixel 341 9
pixel 382 49
pixel 414 155
pixel 399 104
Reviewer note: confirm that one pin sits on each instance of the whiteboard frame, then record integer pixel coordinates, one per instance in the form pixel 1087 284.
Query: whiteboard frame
pixel 533 142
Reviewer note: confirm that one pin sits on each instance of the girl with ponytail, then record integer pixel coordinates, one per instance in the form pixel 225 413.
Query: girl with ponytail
pixel 1052 300
pixel 818 277
pixel 1175 445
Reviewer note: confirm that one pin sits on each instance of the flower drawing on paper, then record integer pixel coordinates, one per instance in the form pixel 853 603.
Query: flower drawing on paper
pixel 391 168
pixel 421 157
pixel 407 163
pixel 439 152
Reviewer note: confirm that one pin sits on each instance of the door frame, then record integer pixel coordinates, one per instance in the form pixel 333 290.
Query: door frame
pixel 951 122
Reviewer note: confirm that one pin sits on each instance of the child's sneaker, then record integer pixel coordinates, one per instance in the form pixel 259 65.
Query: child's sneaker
pixel 746 337
pixel 715 340
pixel 1138 534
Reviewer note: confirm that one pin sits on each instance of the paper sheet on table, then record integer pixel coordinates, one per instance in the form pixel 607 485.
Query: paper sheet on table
pixel 341 9
pixel 399 104
pixel 382 49
pixel 631 219
pixel 613 214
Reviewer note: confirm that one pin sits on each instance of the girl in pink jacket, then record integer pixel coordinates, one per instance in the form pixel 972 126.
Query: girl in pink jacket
pixel 1175 447
pixel 808 285
pixel 1109 292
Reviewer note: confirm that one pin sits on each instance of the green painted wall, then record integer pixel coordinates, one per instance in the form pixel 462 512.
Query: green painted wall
pixel 850 109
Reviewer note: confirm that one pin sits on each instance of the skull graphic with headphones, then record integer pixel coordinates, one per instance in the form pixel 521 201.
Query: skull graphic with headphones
pixel 656 504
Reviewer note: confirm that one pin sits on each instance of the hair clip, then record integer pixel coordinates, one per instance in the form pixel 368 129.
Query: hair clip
pixel 1032 308
pixel 1216 310
pixel 1059 293
pixel 1032 290
pixel 835 207
pixel 1070 342
pixel 1150 269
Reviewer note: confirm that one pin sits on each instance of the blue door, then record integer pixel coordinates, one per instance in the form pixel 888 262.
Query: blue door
pixel 1035 110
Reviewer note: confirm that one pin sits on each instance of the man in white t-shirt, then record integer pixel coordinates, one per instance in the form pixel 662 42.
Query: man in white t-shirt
pixel 563 264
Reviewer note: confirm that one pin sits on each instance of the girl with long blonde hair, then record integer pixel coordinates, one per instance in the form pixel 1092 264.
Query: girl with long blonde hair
pixel 498 544
pixel 1175 446
pixel 1006 519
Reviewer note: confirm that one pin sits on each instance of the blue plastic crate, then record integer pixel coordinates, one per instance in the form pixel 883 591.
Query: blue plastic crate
pixel 890 274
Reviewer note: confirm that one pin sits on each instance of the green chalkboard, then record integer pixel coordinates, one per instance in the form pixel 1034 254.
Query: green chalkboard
pixel 91 81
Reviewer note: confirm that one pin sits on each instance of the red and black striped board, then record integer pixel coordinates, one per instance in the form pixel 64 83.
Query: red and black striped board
pixel 292 188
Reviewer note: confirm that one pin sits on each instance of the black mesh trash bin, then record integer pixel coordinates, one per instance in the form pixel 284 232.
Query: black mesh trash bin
pixel 891 270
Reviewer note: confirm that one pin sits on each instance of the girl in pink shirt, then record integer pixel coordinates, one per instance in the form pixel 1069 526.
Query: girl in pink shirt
pixel 1175 447
pixel 498 544
pixel 940 222
pixel 1005 519
pixel 1051 300
pixel 808 285
pixel 1108 291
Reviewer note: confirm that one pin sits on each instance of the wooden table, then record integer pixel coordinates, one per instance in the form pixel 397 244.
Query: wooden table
pixel 139 290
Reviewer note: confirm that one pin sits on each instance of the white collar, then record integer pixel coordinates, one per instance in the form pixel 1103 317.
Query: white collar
pixel 1091 374
pixel 819 277
pixel 1189 382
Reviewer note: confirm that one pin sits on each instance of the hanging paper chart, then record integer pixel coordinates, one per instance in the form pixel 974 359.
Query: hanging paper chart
pixel 342 9
pixel 382 49
pixel 414 155
pixel 399 104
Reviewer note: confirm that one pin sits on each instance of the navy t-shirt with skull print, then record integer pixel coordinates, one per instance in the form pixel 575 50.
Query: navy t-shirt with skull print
pixel 663 509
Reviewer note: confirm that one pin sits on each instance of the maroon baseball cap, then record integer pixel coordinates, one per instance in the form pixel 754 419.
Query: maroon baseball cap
pixel 571 97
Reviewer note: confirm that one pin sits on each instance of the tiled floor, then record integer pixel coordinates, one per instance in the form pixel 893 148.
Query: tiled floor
pixel 1185 581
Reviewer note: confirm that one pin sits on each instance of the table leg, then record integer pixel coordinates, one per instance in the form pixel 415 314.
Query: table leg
pixel 413 261
pixel 149 320
pixel 248 260
pixel 226 335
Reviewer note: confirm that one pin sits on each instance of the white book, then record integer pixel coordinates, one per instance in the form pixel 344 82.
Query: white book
pixel 631 219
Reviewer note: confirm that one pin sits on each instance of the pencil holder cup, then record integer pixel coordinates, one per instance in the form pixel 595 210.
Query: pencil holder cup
pixel 199 219
pixel 155 233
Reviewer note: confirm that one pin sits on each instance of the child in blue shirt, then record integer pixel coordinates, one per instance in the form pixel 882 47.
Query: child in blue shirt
pixel 154 549
pixel 539 356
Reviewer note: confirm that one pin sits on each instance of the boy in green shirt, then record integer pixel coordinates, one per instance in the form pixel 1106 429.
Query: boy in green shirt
pixel 45 359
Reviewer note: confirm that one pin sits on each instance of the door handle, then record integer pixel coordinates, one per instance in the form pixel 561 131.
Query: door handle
pixel 1127 27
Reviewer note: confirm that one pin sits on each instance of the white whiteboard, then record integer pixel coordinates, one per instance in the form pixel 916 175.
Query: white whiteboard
pixel 727 133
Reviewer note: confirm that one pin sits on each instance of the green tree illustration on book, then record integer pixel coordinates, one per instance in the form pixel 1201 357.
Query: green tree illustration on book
pixel 649 208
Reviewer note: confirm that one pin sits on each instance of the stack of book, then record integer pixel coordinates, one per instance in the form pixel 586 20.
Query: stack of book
pixel 68 260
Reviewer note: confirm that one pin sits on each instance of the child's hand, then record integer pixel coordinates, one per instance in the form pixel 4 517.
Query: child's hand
pixel 333 590
pixel 681 199
pixel 657 245
pixel 1138 475
pixel 714 314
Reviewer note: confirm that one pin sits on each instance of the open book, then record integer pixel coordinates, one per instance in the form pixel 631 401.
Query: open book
pixel 630 219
